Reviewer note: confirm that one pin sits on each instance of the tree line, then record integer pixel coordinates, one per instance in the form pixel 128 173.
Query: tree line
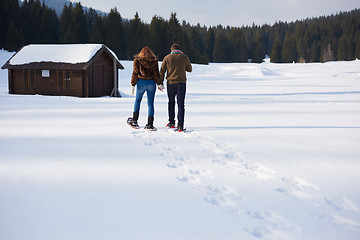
pixel 327 38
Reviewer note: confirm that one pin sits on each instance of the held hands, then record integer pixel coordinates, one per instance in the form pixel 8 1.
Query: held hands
pixel 161 87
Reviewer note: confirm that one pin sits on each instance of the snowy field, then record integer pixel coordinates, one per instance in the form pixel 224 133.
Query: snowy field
pixel 272 152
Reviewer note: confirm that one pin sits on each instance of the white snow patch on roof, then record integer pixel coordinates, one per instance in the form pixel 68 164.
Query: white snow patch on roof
pixel 57 53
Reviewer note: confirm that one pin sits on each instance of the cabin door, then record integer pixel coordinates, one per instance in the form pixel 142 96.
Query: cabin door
pixel 99 80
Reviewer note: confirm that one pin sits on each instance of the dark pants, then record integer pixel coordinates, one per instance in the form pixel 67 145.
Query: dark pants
pixel 177 91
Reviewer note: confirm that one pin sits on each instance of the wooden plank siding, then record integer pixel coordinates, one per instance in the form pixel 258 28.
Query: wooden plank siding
pixel 60 82
pixel 22 81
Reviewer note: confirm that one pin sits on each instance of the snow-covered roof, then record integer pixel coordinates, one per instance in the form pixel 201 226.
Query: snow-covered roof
pixel 57 53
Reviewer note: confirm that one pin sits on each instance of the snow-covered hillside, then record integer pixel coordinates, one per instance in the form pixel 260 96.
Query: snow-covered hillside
pixel 272 152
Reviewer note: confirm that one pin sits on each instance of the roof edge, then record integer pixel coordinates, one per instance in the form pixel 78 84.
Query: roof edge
pixel 84 65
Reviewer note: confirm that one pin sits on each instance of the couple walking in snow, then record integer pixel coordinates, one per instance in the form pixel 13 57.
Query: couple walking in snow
pixel 146 76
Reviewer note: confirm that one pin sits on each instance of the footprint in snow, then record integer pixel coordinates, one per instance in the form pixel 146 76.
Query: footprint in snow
pixel 342 204
pixel 273 226
pixel 340 221
pixel 259 171
pixel 175 165
pixel 297 187
pixel 189 179
pixel 223 196
pixel 200 172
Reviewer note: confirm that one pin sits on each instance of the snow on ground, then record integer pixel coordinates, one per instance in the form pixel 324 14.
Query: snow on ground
pixel 272 152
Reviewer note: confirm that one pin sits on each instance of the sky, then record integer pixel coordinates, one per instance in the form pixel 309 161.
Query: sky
pixel 234 13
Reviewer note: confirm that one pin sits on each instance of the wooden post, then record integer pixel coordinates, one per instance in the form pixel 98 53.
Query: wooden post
pixel 115 91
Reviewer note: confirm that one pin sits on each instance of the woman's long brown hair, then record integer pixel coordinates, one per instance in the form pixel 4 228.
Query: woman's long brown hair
pixel 146 53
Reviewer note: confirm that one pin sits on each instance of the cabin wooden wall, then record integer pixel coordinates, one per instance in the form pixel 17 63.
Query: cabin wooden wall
pixel 68 83
pixel 59 82
pixel 22 81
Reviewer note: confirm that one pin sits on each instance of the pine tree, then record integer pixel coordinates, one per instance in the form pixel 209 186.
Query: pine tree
pixel 344 49
pixel 14 38
pixel 275 56
pixel 137 36
pixel 49 26
pixel 311 42
pixel 221 52
pixel 315 52
pixel 302 50
pixel 91 16
pixel 159 41
pixel 10 20
pixel 97 32
pixel 288 52
pixel 175 32
pixel 258 50
pixel 66 23
pixel 209 44
pixel 197 46
pixel 115 34
pixel 186 45
pixel 31 16
pixel 4 22
pixel 79 28
pixel 357 45
pixel 238 46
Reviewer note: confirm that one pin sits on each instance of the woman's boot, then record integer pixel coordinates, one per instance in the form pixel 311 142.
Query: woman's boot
pixel 150 124
pixel 132 121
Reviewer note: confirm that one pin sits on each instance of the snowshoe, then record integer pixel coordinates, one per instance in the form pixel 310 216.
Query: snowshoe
pixel 150 127
pixel 132 123
pixel 170 125
pixel 180 129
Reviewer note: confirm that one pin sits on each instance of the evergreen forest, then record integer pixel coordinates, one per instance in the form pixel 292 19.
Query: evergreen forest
pixel 321 39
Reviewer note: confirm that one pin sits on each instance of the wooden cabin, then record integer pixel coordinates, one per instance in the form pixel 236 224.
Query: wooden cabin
pixel 80 70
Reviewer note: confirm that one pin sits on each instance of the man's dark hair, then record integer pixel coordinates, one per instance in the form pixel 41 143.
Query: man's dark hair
pixel 175 46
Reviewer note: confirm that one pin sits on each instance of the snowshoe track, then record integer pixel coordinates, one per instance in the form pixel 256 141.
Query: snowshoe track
pixel 214 157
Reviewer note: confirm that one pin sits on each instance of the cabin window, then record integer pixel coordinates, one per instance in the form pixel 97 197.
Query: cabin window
pixel 29 79
pixel 45 73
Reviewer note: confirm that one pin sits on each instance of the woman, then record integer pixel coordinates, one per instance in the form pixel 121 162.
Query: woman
pixel 146 76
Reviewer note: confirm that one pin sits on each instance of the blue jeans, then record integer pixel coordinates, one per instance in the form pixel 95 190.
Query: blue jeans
pixel 148 86
pixel 177 91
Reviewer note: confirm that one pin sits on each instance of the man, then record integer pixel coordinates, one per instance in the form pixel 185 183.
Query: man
pixel 176 64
